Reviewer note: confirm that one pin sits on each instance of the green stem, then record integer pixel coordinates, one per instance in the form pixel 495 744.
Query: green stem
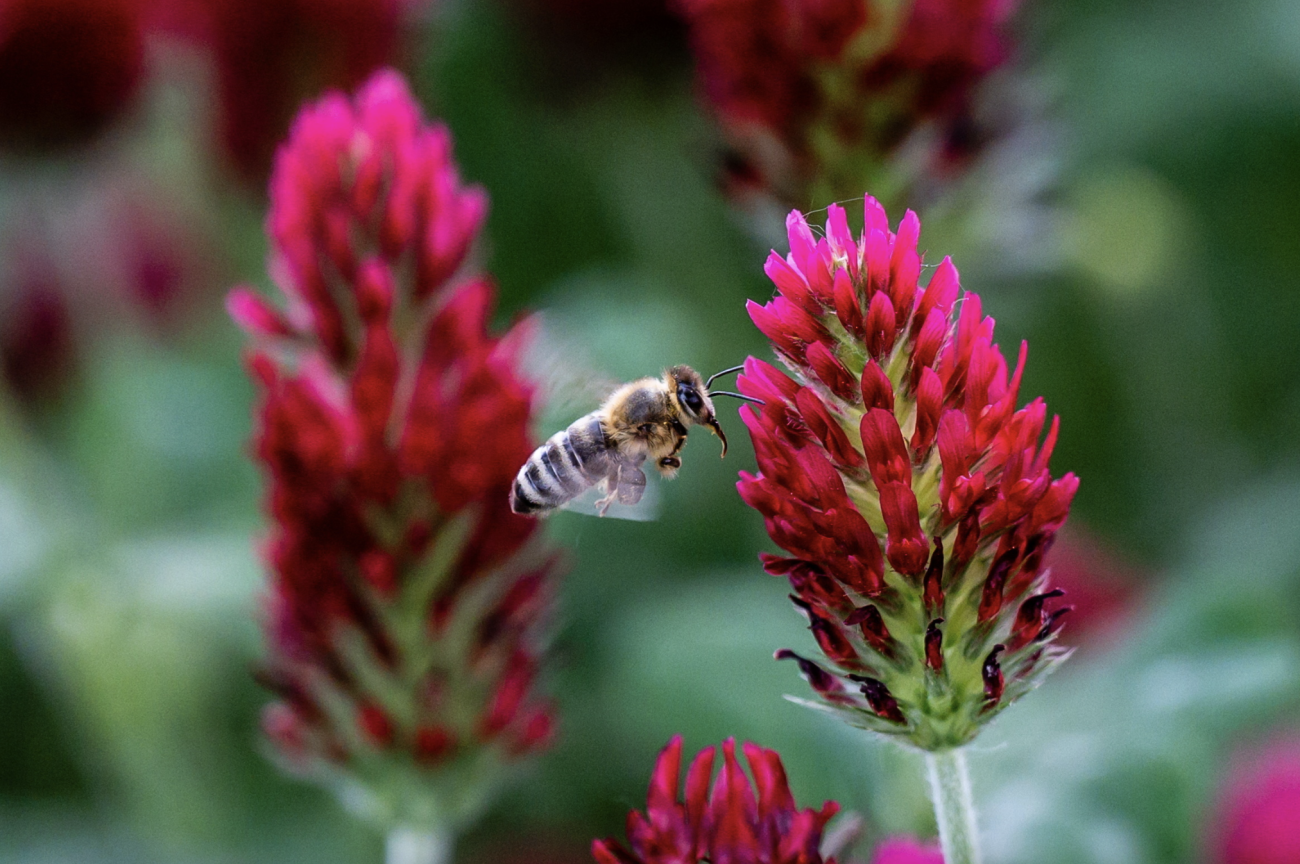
pixel 407 845
pixel 954 809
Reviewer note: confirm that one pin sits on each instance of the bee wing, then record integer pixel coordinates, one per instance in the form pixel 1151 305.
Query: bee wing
pixel 592 502
pixel 568 384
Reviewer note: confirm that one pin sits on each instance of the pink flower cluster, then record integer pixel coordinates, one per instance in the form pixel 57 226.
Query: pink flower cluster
pixel 913 498
pixel 405 599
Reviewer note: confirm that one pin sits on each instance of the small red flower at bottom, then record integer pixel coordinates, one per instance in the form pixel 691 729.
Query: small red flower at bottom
pixel 732 822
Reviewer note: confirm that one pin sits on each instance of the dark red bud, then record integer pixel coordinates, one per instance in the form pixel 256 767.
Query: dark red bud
pixel 1029 619
pixel 375 725
pixel 991 598
pixel 933 582
pixel 993 681
pixel 873 628
pixel 934 645
pixel 432 743
pixel 818 678
pixel 968 538
pixel 880 699
pixel 379 572
pixel 1053 623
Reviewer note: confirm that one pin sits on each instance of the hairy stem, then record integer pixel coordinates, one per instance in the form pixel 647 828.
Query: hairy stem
pixel 954 809
pixel 407 845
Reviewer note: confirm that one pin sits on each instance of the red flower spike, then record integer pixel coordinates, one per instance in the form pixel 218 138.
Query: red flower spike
pixel 734 821
pixel 389 450
pixel 878 526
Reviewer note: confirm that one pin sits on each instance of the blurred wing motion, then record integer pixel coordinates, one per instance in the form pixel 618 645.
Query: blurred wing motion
pixel 567 382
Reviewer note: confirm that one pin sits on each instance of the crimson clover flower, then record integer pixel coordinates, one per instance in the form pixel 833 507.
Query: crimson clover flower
pixel 732 822
pixel 913 498
pixel 406 600
pixel 817 98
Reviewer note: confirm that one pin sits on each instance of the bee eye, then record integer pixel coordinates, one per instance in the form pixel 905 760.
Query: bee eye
pixel 689 398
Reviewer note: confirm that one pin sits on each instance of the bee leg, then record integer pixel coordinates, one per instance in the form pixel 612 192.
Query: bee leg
pixel 611 491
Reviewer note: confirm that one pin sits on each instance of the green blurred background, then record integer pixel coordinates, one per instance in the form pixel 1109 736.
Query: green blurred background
pixel 1159 294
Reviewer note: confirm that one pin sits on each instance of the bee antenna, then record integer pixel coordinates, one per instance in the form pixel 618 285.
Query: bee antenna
pixel 723 372
pixel 736 395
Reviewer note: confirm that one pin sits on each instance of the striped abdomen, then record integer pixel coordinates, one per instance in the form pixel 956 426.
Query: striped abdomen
pixel 568 464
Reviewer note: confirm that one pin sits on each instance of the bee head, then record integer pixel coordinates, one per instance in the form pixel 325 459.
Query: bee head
pixel 693 399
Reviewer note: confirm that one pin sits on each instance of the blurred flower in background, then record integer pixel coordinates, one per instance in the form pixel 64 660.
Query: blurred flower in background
pixel 271 55
pixel 1257 819
pixel 579 41
pixel 820 99
pixel 37 347
pixel 1103 588
pixel 68 68
pixel 406 606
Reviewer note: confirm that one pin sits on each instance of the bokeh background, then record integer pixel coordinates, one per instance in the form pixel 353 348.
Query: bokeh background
pixel 1158 289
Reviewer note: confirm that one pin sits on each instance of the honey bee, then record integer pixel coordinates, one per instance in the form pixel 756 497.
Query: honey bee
pixel 646 419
